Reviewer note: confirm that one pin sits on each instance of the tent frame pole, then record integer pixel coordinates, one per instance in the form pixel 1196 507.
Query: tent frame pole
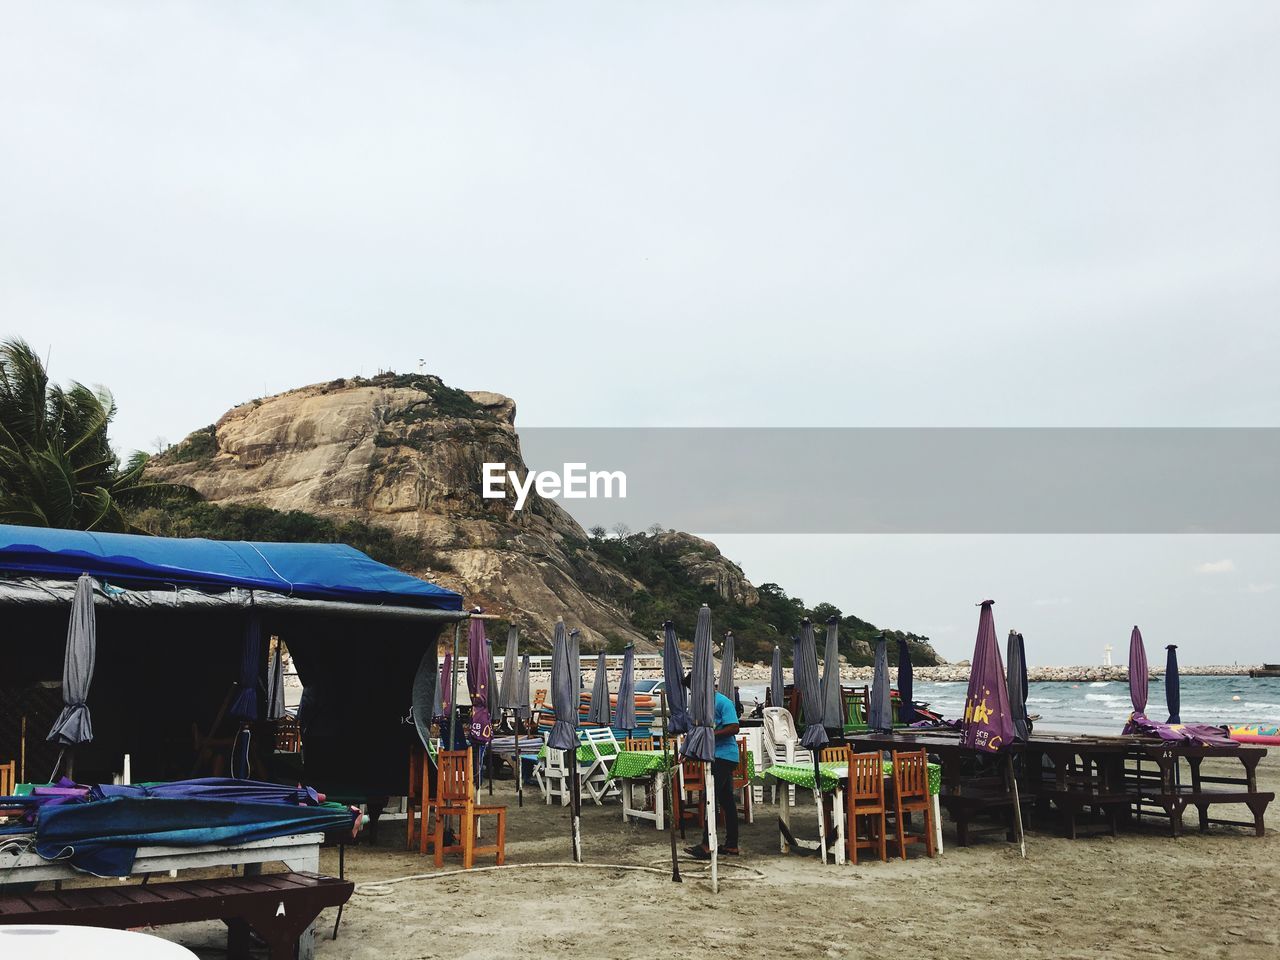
pixel 453 687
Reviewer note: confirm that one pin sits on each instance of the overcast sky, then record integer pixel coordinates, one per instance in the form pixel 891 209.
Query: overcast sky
pixel 687 214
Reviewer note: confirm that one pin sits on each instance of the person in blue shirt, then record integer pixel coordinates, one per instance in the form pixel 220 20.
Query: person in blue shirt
pixel 722 770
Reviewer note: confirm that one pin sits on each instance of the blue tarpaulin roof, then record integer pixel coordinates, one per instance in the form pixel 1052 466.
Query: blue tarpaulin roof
pixel 315 571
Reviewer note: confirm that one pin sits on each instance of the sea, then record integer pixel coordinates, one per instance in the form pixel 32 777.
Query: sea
pixel 1104 706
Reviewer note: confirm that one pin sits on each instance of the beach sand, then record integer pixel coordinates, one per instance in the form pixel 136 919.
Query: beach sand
pixel 1137 895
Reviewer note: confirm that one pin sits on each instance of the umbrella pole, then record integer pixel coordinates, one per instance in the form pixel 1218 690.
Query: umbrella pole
pixel 709 784
pixel 1017 809
pixel 519 764
pixel 575 798
pixel 670 788
pixel 822 814
pixel 22 753
pixel 453 688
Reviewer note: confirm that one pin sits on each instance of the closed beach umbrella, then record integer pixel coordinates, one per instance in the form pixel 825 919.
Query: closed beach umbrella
pixel 275 686
pixel 245 705
pixel 575 657
pixel 426 695
pixel 726 667
pixel 624 717
pixel 440 701
pixel 480 730
pixel 700 744
pixel 880 710
pixel 806 675
pixel 599 712
pixel 511 669
pixel 673 676
pixel 1139 676
pixel 906 702
pixel 522 706
pixel 775 677
pixel 1015 661
pixel 832 715
pixel 73 725
pixel 988 721
pixel 494 693
pixel 1172 685
pixel 564 695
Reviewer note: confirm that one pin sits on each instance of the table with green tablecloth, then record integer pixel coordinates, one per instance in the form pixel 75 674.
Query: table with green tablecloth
pixel 585 754
pixel 801 774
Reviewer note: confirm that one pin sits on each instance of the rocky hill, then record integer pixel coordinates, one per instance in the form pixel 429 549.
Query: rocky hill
pixel 395 460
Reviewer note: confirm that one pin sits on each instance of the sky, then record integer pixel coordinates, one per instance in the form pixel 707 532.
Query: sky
pixel 653 214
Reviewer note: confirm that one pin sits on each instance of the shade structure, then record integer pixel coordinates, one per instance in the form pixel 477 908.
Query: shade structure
pixel 775 677
pixel 810 687
pixel 673 682
pixel 73 724
pixel 245 705
pixel 880 710
pixel 564 694
pixel 988 722
pixel 599 712
pixel 511 669
pixel 700 743
pixel 906 683
pixel 727 655
pixel 1016 677
pixel 275 686
pixel 1139 675
pixel 832 705
pixel 480 727
pixel 624 717
pixel 426 695
pixel 1172 685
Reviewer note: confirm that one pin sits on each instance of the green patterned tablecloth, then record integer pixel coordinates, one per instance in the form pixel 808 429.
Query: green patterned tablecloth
pixel 636 764
pixel 584 754
pixel 801 774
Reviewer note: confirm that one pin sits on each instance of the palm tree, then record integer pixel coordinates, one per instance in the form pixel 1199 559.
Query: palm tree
pixel 57 468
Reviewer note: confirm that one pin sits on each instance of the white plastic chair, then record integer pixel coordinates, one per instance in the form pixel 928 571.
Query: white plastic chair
pixel 555 776
pixel 782 745
pixel 604 749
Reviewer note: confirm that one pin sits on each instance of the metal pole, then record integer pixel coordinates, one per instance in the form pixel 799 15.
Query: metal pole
pixel 1017 809
pixel 709 784
pixel 453 687
pixel 22 753
pixel 575 798
pixel 519 763
pixel 670 788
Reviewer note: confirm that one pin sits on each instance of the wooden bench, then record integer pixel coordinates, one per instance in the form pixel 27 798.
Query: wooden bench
pixel 278 907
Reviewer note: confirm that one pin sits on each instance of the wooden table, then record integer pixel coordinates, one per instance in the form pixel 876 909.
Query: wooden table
pixel 299 852
pixel 1162 784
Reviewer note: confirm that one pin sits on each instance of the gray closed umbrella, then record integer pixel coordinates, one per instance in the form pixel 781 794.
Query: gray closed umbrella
pixel 575 658
pixel 673 677
pixel 492 689
pixel 511 670
pixel 880 711
pixel 523 709
pixel 1015 680
pixel 275 686
pixel 600 712
pixel 775 678
pixel 806 675
pixel 73 725
pixel 832 715
pixel 564 733
pixel 700 742
pixel 624 717
pixel 726 668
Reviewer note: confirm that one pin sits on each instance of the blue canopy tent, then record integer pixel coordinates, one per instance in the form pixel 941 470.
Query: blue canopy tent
pixel 172 616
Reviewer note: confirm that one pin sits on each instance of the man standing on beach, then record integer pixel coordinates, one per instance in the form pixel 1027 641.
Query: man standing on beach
pixel 722 770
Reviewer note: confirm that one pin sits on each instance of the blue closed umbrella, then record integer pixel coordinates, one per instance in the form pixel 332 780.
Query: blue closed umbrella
pixel 673 676
pixel 906 694
pixel 775 677
pixel 245 705
pixel 1016 674
pixel 599 712
pixel 726 668
pixel 564 733
pixel 1172 685
pixel 880 711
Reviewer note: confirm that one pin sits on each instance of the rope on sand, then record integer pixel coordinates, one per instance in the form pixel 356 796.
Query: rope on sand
pixel 381 888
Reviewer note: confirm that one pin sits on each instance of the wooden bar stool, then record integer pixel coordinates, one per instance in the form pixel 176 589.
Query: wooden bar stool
pixel 911 795
pixel 864 797
pixel 455 797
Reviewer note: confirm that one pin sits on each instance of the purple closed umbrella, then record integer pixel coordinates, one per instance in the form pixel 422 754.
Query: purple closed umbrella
pixel 673 682
pixel 600 712
pixel 624 717
pixel 480 729
pixel 988 721
pixel 1139 676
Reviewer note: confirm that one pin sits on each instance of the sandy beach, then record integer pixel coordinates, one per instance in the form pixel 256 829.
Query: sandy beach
pixel 1132 896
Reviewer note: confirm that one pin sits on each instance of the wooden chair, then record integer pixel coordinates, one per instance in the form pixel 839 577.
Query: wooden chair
pixel 455 797
pixel 8 778
pixel 835 754
pixel 640 745
pixel 864 797
pixel 911 795
pixel 288 735
pixel 415 809
pixel 690 781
